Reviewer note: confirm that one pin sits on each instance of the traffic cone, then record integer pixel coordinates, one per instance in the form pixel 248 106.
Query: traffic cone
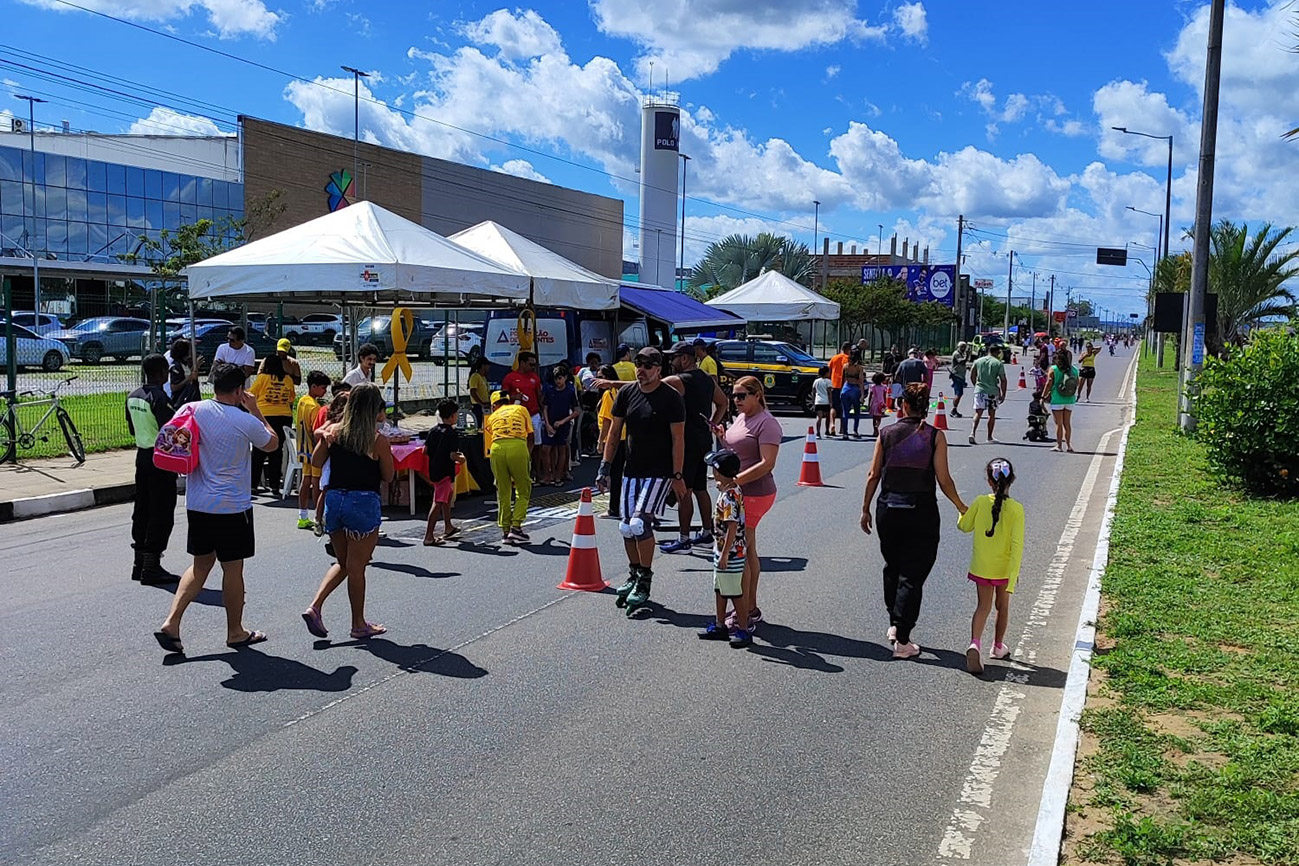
pixel 583 557
pixel 810 474
pixel 940 417
pixel 1015 359
pixel 888 403
pixel 1022 383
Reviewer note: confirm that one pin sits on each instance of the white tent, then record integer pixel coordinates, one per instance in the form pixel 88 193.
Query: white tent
pixel 774 297
pixel 360 254
pixel 556 281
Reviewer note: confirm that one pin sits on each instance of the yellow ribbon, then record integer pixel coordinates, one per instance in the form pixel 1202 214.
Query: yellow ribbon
pixel 402 324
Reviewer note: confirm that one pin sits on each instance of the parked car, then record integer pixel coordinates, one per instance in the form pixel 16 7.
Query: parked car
pixel 315 328
pixel 33 350
pixel 374 329
pixel 462 341
pixel 786 371
pixel 113 336
pixel 37 323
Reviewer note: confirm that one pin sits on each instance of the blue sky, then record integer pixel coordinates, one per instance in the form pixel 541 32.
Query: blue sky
pixel 898 113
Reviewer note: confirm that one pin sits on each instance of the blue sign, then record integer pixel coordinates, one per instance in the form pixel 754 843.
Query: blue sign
pixel 924 282
pixel 1197 344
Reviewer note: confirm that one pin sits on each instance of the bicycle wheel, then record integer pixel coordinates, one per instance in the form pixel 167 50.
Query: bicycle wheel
pixel 8 438
pixel 70 433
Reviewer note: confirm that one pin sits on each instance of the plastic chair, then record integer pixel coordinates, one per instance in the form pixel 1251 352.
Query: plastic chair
pixel 292 466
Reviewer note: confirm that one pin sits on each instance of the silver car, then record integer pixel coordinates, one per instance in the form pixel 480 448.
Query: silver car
pixel 113 336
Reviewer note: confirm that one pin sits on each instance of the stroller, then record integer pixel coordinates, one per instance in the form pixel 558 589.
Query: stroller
pixel 1037 417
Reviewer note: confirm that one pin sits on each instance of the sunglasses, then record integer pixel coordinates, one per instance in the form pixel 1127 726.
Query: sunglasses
pixel 740 395
pixel 645 362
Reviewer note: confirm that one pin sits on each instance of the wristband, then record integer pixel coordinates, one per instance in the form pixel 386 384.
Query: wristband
pixel 603 471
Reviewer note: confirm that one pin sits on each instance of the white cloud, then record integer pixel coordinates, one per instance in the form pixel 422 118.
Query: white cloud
pixel 831 72
pixel 165 121
pixel 1011 111
pixel 230 18
pixel 1069 128
pixel 910 18
pixel 521 168
pixel 689 38
pixel 1132 105
pixel 519 36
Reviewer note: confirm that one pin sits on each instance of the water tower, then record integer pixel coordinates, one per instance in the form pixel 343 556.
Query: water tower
pixel 659 188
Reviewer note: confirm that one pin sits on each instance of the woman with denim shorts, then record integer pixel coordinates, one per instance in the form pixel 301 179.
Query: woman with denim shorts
pixel 360 458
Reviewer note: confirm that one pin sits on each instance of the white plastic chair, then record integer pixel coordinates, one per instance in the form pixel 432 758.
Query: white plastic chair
pixel 292 467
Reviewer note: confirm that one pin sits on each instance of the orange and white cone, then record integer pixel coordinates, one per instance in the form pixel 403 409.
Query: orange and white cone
pixel 1015 359
pixel 1023 384
pixel 583 557
pixel 810 474
pixel 940 416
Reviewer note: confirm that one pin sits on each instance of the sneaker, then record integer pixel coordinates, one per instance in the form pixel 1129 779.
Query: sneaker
pixel 971 439
pixel 318 529
pixel 955 414
pixel 1000 651
pixel 906 650
pixel 893 634
pixel 974 658
pixel 713 631
pixel 701 538
pixel 675 546
pixel 515 537
pixel 755 617
pixel 306 523
pixel 518 533
pixel 741 638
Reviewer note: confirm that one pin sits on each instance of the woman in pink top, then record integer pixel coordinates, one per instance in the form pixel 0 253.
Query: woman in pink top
pixel 755 436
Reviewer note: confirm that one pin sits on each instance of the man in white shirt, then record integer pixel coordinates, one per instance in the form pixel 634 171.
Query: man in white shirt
pixel 366 356
pixel 236 351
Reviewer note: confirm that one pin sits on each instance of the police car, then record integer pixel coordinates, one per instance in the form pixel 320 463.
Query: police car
pixel 785 371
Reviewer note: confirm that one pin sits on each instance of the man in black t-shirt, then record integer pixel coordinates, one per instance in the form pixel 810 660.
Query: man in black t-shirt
pixel 654 416
pixel 706 405
pixel 911 370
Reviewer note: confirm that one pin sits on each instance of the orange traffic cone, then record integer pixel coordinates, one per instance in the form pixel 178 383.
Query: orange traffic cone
pixel 583 557
pixel 940 417
pixel 1015 359
pixel 810 474
pixel 888 403
pixel 1022 383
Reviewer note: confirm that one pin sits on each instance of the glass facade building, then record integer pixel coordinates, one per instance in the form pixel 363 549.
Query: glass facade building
pixel 87 210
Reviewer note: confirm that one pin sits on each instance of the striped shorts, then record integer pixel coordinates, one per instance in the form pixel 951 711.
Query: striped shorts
pixel 644 497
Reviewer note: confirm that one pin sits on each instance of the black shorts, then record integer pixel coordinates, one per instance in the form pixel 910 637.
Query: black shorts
pixel 229 536
pixel 822 410
pixel 1087 372
pixel 694 470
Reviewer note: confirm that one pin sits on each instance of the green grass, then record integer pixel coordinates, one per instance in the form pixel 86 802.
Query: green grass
pixel 1197 757
pixel 100 418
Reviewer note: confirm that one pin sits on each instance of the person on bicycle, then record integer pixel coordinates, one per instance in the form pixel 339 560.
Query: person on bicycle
pixel 153 515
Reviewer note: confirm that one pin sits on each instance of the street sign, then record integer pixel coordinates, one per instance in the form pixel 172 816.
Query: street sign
pixel 1197 344
pixel 1059 315
pixel 1134 316
pixel 982 284
pixel 1111 256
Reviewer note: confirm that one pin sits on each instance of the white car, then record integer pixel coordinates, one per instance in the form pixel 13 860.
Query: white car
pixel 317 328
pixel 33 350
pixel 463 341
pixel 37 323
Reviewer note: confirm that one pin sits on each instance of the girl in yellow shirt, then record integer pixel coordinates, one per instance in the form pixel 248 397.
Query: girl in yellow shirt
pixel 997 522
pixel 507 434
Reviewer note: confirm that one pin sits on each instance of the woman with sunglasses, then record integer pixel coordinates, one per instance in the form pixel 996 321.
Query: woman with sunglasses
pixel 755 436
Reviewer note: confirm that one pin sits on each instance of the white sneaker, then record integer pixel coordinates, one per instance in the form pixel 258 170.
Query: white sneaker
pixel 906 650
pixel 893 634
pixel 1000 651
pixel 974 658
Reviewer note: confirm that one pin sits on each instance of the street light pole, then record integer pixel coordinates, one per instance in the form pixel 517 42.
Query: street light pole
pixel 31 143
pixel 681 268
pixel 1168 185
pixel 816 227
pixel 1010 280
pixel 357 75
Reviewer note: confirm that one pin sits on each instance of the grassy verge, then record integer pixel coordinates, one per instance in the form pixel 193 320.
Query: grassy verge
pixel 100 418
pixel 1190 751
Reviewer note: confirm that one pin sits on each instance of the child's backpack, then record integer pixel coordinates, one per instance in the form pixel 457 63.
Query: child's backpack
pixel 1068 386
pixel 176 448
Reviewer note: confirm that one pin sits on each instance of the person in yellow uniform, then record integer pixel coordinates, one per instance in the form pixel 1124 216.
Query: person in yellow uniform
pixel 625 369
pixel 703 359
pixel 274 389
pixel 507 434
pixel 304 430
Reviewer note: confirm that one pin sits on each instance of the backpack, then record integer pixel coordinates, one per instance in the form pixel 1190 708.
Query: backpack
pixel 1068 386
pixel 176 448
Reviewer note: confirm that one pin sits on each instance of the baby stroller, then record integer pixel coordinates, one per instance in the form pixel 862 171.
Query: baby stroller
pixel 1037 417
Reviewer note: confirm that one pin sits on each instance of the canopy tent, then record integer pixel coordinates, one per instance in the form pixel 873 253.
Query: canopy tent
pixel 556 281
pixel 360 254
pixel 680 311
pixel 774 297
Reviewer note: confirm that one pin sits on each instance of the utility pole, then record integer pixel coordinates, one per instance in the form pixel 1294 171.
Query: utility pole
pixel 962 296
pixel 1195 325
pixel 1032 302
pixel 357 75
pixel 36 259
pixel 816 218
pixel 1010 280
pixel 685 163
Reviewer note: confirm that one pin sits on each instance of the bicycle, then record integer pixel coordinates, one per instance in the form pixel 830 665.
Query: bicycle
pixel 13 434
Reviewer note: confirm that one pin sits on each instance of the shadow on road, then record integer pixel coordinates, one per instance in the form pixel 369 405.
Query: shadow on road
pixel 209 597
pixel 257 672
pixel 413 570
pixel 415 658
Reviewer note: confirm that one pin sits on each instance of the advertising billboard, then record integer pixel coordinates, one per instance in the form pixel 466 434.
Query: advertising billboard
pixel 924 282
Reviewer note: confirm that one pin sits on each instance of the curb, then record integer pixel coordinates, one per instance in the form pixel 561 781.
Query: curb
pixel 64 501
pixel 1048 833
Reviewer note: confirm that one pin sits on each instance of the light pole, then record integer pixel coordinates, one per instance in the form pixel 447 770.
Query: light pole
pixel 881 247
pixel 1168 185
pixel 681 268
pixel 816 234
pixel 31 143
pixel 357 75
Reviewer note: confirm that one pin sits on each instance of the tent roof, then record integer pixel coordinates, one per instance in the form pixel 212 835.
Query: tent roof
pixel 679 310
pixel 556 281
pixel 358 254
pixel 774 297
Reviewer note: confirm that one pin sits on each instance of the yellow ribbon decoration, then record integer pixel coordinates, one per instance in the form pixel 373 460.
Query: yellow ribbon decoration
pixel 402 324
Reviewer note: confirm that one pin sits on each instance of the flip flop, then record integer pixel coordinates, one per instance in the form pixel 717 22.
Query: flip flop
pixel 315 624
pixel 452 534
pixel 254 636
pixel 370 630
pixel 436 541
pixel 169 643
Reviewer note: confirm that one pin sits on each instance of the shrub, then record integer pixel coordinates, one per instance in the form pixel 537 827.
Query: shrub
pixel 1248 409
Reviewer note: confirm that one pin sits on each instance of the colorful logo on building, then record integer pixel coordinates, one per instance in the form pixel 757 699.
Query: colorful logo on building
pixel 339 189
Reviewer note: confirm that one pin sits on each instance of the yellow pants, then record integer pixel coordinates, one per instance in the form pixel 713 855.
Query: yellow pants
pixel 512 469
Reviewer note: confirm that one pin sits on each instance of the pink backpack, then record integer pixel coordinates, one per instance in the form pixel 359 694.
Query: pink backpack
pixel 176 448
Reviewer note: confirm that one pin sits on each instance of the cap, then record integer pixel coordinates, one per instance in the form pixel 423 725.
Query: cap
pixel 623 349
pixel 724 461
pixel 650 352
pixel 283 345
pixel 685 349
pixel 500 397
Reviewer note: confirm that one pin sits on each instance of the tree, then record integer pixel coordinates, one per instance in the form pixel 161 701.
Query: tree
pixel 261 214
pixel 1248 274
pixel 887 306
pixel 736 259
pixel 1082 306
pixel 853 314
pixel 1173 273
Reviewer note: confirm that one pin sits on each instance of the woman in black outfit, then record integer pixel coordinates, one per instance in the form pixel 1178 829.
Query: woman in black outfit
pixel 910 460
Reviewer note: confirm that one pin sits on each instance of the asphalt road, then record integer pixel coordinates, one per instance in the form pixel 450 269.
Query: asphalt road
pixel 502 720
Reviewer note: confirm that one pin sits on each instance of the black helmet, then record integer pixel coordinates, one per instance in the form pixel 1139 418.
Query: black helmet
pixel 724 461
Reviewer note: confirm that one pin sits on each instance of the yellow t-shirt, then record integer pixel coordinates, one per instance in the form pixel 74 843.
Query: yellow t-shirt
pixel 999 557
pixel 1087 360
pixel 274 396
pixel 626 371
pixel 709 366
pixel 304 427
pixel 478 390
pixel 605 413
pixel 507 422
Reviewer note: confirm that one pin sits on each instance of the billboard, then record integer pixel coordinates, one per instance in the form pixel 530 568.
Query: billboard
pixel 667 130
pixel 924 282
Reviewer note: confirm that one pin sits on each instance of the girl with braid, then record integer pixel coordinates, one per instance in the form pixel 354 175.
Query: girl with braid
pixel 997 522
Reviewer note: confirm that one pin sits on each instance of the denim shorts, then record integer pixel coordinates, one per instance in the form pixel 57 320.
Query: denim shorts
pixel 355 512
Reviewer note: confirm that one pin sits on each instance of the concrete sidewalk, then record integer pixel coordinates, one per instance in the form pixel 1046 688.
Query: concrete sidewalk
pixel 32 488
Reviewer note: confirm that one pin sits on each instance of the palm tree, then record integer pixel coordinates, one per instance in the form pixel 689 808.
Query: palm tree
pixel 736 259
pixel 1249 274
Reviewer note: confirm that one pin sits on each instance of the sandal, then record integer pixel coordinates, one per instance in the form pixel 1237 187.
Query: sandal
pixel 452 533
pixel 315 624
pixel 369 630
pixel 169 643
pixel 435 541
pixel 252 638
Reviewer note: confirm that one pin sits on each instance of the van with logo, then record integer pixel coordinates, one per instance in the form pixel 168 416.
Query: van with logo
pixel 562 337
